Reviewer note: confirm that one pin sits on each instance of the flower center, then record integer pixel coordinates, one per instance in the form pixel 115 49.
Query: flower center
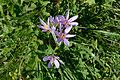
pixel 62 36
pixel 46 27
pixel 66 23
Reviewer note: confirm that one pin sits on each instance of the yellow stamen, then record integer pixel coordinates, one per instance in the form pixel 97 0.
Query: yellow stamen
pixel 62 36
pixel 66 23
pixel 46 27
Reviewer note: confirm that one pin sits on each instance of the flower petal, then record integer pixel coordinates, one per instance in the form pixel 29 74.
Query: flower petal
pixel 73 18
pixel 57 33
pixel 56 19
pixel 48 22
pixel 60 27
pixel 59 40
pixel 49 65
pixel 46 58
pixel 66 42
pixel 67 15
pixel 44 30
pixel 57 64
pixel 42 22
pixel 68 29
pixel 51 19
pixel 53 28
pixel 56 57
pixel 61 61
pixel 68 35
pixel 42 27
pixel 74 23
pixel 61 17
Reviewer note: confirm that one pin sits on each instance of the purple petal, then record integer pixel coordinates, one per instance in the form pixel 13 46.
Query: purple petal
pixel 74 23
pixel 44 30
pixel 67 15
pixel 51 19
pixel 49 65
pixel 56 57
pixel 57 33
pixel 60 27
pixel 48 22
pixel 56 19
pixel 59 40
pixel 61 61
pixel 66 42
pixel 42 22
pixel 41 27
pixel 61 17
pixel 68 35
pixel 68 29
pixel 53 28
pixel 46 58
pixel 73 18
pixel 56 63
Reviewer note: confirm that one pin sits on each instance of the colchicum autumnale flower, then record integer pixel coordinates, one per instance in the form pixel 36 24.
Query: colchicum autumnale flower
pixel 63 37
pixel 53 60
pixel 45 27
pixel 65 21
pixel 53 20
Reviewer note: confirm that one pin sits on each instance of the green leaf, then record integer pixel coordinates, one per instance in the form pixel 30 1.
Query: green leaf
pixel 44 3
pixel 90 2
pixel 108 1
pixel 109 33
pixel 1 10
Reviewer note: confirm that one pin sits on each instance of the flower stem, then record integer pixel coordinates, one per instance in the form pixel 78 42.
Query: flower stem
pixel 55 39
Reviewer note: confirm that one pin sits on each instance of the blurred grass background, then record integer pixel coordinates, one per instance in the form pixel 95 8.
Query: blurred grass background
pixel 94 54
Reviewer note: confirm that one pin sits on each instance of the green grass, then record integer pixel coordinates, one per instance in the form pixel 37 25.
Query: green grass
pixel 94 54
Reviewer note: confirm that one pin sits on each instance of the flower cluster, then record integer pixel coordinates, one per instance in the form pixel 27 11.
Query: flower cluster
pixel 59 26
pixel 64 25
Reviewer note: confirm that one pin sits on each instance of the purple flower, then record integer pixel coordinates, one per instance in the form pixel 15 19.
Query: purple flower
pixel 66 21
pixel 53 59
pixel 45 27
pixel 53 20
pixel 62 37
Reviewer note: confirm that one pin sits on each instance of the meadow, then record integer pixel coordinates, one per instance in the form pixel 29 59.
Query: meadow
pixel 35 44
